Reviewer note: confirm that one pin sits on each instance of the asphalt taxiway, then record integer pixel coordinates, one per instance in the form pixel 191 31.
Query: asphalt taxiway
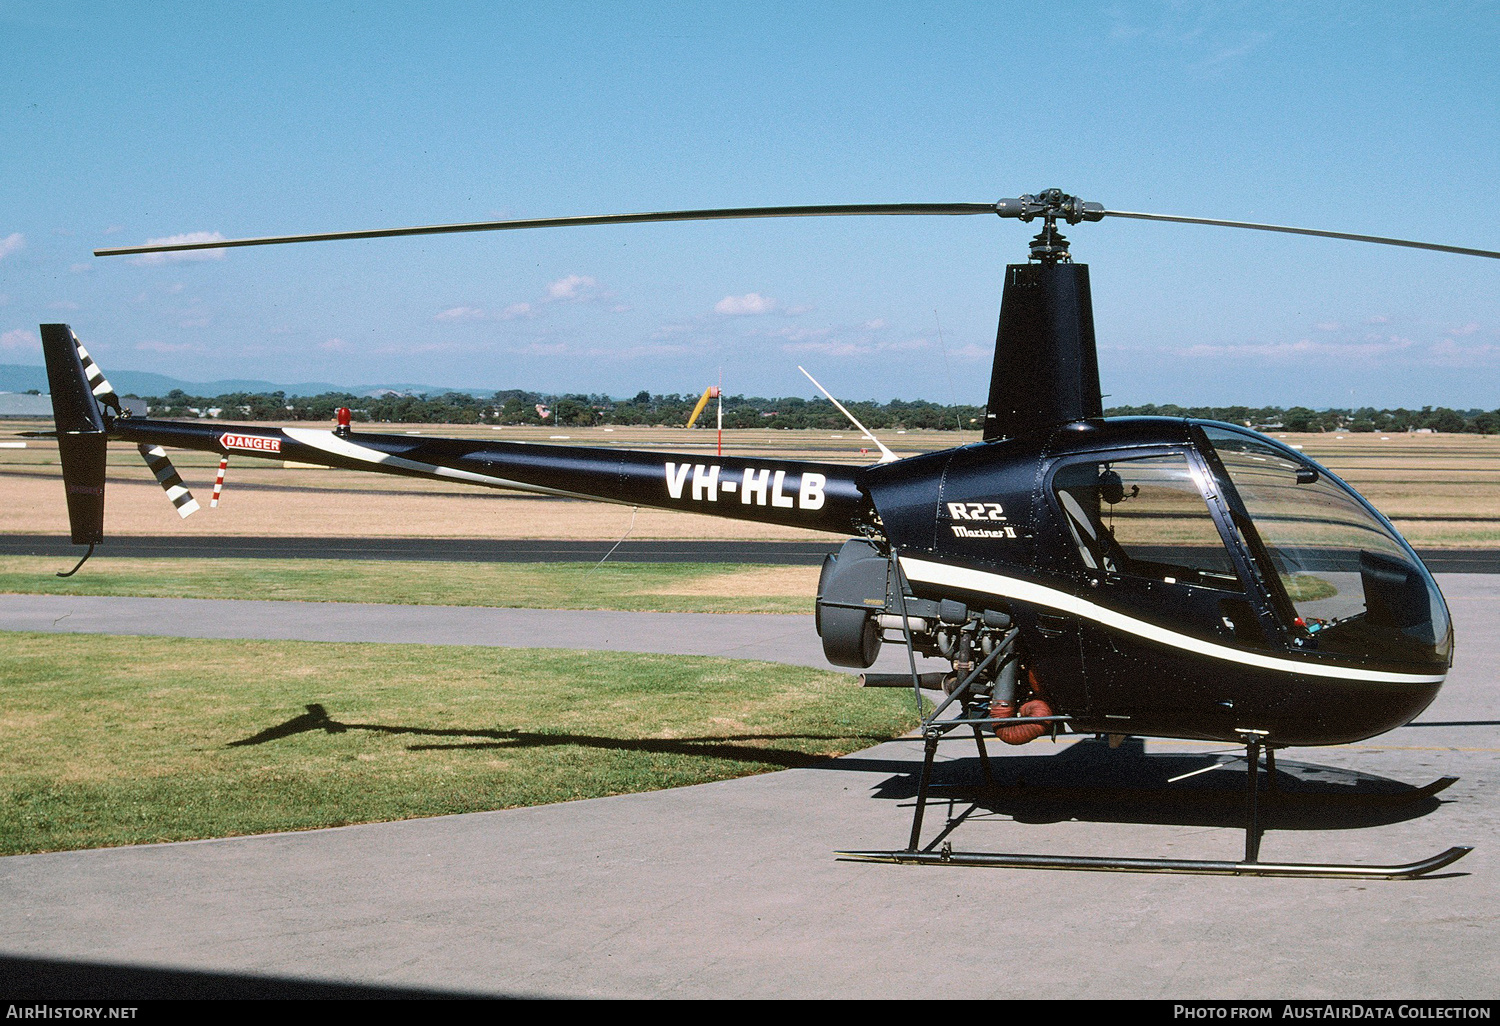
pixel 731 889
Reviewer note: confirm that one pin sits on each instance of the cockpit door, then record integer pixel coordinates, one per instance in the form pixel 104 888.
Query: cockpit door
pixel 1164 577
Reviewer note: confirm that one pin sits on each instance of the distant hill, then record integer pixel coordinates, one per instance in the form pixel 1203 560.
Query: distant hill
pixel 20 378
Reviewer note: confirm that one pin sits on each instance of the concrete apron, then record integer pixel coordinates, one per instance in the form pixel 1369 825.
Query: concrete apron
pixel 730 889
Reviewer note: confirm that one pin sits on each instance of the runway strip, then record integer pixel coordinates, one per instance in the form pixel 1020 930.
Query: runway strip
pixel 802 553
pixel 730 889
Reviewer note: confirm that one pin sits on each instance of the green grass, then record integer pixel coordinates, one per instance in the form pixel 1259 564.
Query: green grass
pixel 126 740
pixel 703 587
pixel 1307 587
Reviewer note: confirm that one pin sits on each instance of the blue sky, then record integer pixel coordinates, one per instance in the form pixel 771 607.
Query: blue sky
pixel 126 122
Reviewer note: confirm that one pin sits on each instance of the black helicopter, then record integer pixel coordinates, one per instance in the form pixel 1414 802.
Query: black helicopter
pixel 1126 576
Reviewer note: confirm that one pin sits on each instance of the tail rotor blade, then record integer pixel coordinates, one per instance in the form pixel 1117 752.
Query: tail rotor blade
pixel 98 383
pixel 170 481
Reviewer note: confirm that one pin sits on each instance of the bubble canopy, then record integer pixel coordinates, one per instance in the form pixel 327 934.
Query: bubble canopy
pixel 1350 583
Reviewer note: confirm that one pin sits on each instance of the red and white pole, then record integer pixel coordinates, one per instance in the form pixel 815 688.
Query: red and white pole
pixel 219 482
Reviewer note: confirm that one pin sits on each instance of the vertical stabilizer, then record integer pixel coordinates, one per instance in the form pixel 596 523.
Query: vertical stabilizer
pixel 81 438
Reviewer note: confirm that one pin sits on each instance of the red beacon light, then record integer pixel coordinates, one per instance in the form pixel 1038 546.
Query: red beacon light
pixel 344 417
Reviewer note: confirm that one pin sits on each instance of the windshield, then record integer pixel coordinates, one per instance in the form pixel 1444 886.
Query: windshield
pixel 1356 586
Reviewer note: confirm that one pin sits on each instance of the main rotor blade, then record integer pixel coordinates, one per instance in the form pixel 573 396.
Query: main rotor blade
pixel 826 210
pixel 1306 231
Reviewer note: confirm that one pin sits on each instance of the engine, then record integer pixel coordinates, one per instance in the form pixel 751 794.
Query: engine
pixel 860 603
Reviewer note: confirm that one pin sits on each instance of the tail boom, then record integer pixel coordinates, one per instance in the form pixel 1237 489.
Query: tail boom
pixel 793 493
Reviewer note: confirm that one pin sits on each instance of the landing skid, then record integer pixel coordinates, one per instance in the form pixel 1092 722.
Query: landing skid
pixel 1251 865
pixel 947 857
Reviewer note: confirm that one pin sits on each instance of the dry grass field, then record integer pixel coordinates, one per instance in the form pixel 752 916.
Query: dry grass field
pixel 1442 491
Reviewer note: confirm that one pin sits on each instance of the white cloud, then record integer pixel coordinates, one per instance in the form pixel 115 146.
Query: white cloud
pixel 146 259
pixel 876 324
pixel 460 313
pixel 646 349
pixel 1464 329
pixel 11 243
pixel 677 328
pixel 19 339
pixel 972 353
pixel 419 349
pixel 837 347
pixel 854 346
pixel 1455 351
pixel 796 334
pixel 750 304
pixel 574 287
pixel 1449 352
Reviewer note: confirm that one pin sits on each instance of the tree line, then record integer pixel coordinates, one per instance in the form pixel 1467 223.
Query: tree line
pixel 516 407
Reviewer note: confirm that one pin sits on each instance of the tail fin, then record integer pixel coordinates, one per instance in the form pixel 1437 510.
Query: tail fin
pixel 78 388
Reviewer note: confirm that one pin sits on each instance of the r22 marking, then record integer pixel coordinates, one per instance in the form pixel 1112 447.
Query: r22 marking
pixel 975 511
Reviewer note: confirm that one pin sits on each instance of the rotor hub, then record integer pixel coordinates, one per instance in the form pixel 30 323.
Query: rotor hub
pixel 1050 246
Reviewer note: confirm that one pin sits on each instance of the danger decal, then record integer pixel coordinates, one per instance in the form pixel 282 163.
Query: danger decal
pixel 250 443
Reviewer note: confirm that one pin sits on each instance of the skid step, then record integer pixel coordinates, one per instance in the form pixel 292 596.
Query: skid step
pixel 1201 867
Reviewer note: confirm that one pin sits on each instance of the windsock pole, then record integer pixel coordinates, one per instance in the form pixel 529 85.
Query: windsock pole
pixel 219 482
pixel 719 392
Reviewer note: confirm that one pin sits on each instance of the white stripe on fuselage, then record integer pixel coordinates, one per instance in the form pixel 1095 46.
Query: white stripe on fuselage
pixel 988 583
pixel 333 444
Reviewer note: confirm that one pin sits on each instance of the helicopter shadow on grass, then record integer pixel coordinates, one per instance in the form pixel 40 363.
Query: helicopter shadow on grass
pixel 1091 782
pixel 1086 781
pixel 735 747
